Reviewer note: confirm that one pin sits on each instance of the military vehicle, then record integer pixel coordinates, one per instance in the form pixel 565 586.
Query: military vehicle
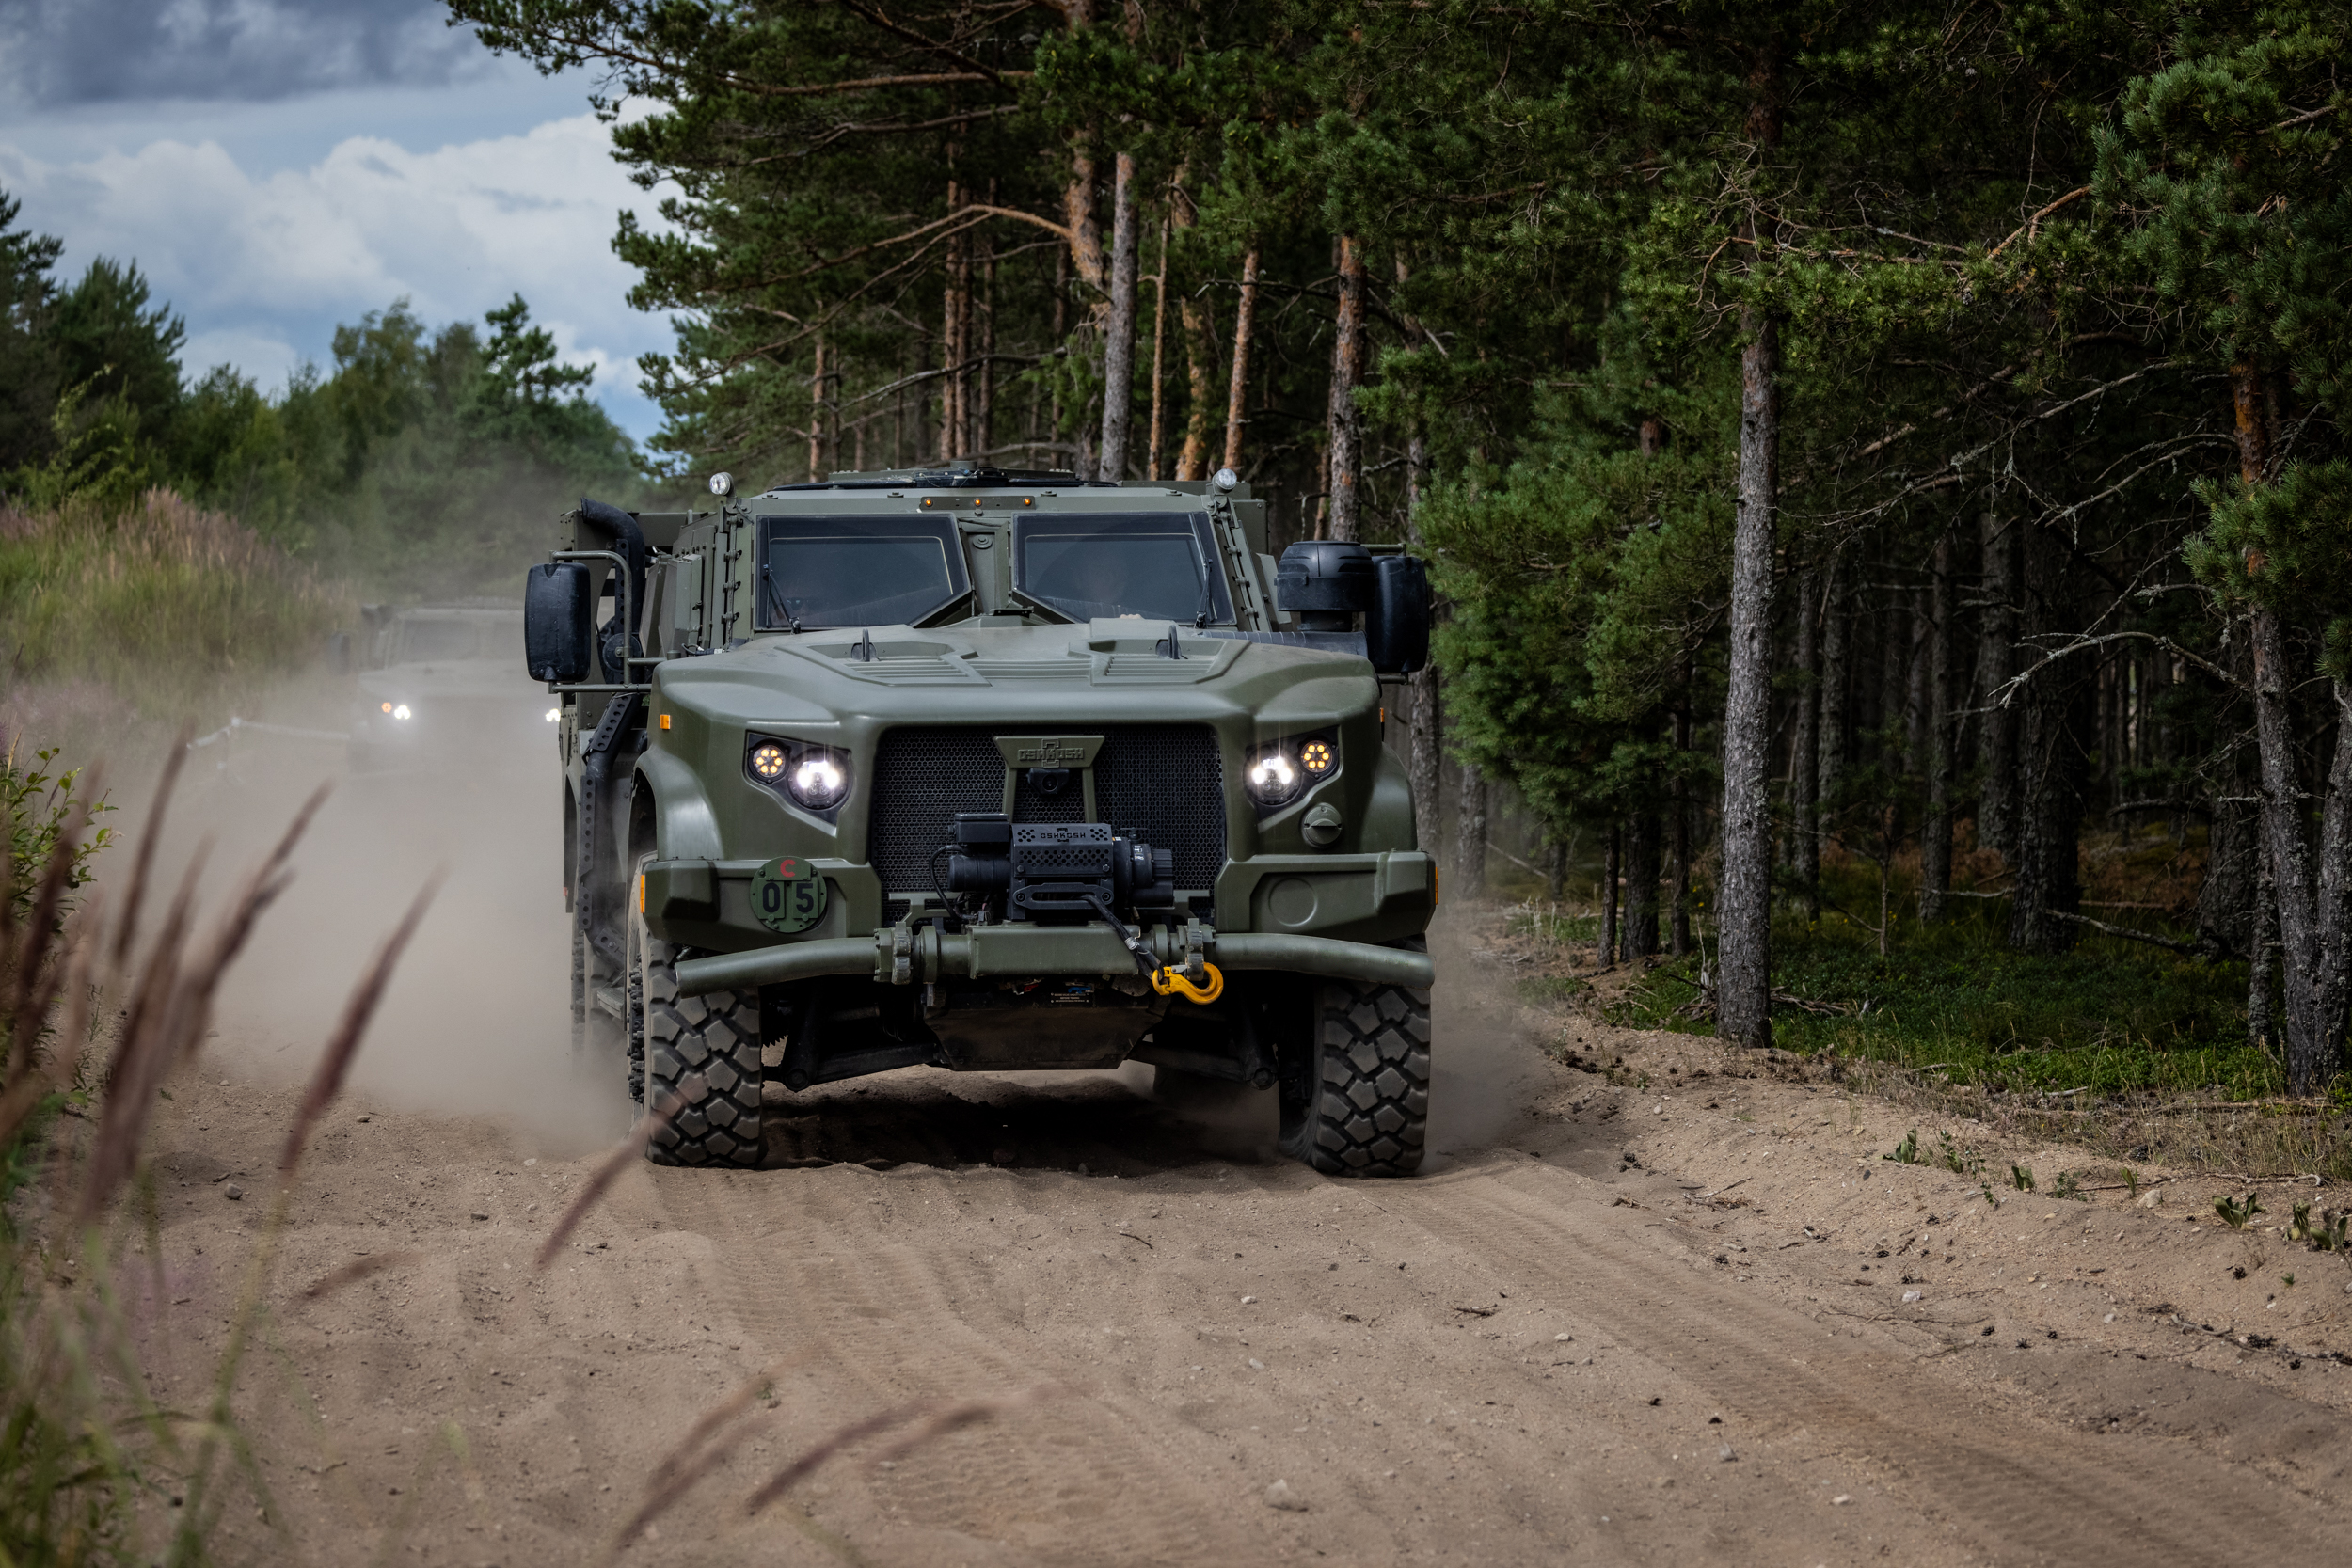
pixel 437 685
pixel 988 771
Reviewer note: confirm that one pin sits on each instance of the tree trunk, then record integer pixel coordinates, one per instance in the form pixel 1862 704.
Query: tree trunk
pixel 1077 207
pixel 1470 852
pixel 2311 902
pixel 1935 833
pixel 1804 848
pixel 1836 680
pixel 1348 361
pixel 1678 851
pixel 1237 401
pixel 1119 338
pixel 1424 768
pixel 2225 901
pixel 1640 886
pixel 1159 346
pixel 1555 867
pixel 2052 773
pixel 817 416
pixel 982 424
pixel 1421 768
pixel 2001 588
pixel 1610 873
pixel 2262 963
pixel 1745 907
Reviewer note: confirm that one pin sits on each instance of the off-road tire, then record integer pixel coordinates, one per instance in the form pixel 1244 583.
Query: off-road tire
pixel 1361 1105
pixel 704 1050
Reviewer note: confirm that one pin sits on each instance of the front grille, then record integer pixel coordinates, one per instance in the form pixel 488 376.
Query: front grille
pixel 1163 783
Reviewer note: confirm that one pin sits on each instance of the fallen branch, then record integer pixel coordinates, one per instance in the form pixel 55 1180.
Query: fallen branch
pixel 2194 949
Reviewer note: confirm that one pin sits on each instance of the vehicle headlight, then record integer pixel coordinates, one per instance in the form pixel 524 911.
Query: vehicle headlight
pixel 400 711
pixel 813 777
pixel 1273 778
pixel 818 782
pixel 554 713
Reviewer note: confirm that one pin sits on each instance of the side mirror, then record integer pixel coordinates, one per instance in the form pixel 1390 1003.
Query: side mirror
pixel 557 638
pixel 1325 583
pixel 1396 633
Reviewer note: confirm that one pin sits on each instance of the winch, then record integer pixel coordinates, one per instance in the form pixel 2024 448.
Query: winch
pixel 1058 872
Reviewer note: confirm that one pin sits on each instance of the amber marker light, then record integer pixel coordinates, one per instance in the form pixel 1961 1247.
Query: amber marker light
pixel 1316 758
pixel 767 762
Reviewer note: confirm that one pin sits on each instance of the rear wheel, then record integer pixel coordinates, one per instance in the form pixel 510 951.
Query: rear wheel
pixel 705 1051
pixel 1355 1092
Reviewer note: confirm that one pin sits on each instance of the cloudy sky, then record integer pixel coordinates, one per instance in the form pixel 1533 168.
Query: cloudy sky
pixel 276 166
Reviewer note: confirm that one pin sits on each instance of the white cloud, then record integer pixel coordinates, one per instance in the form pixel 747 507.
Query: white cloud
pixel 269 360
pixel 258 263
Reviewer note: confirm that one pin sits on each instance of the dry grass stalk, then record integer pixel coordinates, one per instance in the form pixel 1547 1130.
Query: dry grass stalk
pixel 35 978
pixel 934 1418
pixel 143 864
pixel 691 1457
pixel 143 1053
pixel 335 1062
pixel 81 943
pixel 357 1270
pixel 628 1153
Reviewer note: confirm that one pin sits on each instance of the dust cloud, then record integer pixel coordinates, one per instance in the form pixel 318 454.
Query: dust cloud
pixel 476 1020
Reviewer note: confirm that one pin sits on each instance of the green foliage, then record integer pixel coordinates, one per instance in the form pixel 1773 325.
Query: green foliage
pixel 159 603
pixel 2021 1177
pixel 2237 1213
pixel 1907 1151
pixel 36 800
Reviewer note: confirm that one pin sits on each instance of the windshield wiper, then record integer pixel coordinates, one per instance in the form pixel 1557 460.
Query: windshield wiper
pixel 782 608
pixel 1208 604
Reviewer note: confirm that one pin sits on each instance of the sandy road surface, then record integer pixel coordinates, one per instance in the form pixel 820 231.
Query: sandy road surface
pixel 1540 1351
pixel 1531 1354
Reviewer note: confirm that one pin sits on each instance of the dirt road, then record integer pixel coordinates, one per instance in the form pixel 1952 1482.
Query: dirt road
pixel 1539 1352
pixel 1678 1310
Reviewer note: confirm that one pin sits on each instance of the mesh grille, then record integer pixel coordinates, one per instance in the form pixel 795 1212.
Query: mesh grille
pixel 1163 783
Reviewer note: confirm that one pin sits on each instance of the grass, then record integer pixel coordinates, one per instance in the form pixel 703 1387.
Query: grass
pixel 158 607
pixel 2136 1051
pixel 2110 1018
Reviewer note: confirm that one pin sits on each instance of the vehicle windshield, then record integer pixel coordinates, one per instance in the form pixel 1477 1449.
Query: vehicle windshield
pixel 1160 566
pixel 422 640
pixel 856 571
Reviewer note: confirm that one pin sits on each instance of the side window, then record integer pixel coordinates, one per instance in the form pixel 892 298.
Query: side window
pixel 682 604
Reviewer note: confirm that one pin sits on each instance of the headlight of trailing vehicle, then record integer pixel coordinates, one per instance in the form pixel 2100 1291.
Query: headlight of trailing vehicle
pixel 1278 774
pixel 815 778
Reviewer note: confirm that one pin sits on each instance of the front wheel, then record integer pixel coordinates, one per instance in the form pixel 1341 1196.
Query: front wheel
pixel 1356 1094
pixel 704 1050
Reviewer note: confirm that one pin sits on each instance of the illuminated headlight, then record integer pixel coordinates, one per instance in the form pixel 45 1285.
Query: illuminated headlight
pixel 1273 779
pixel 813 777
pixel 401 712
pixel 818 782
pixel 554 713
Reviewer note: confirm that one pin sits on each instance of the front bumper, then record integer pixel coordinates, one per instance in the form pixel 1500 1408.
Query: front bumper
pixel 1016 950
pixel 1375 898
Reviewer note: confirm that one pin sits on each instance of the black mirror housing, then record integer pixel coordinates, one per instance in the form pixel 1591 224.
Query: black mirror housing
pixel 558 635
pixel 1396 633
pixel 1325 583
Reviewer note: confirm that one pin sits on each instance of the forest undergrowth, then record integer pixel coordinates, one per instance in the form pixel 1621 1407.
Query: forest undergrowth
pixel 2135 1051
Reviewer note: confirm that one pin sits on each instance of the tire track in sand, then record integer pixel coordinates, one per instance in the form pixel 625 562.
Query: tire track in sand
pixel 897 1304
pixel 2044 1494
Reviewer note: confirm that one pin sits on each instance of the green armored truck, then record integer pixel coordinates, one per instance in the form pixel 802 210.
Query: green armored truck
pixel 988 771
